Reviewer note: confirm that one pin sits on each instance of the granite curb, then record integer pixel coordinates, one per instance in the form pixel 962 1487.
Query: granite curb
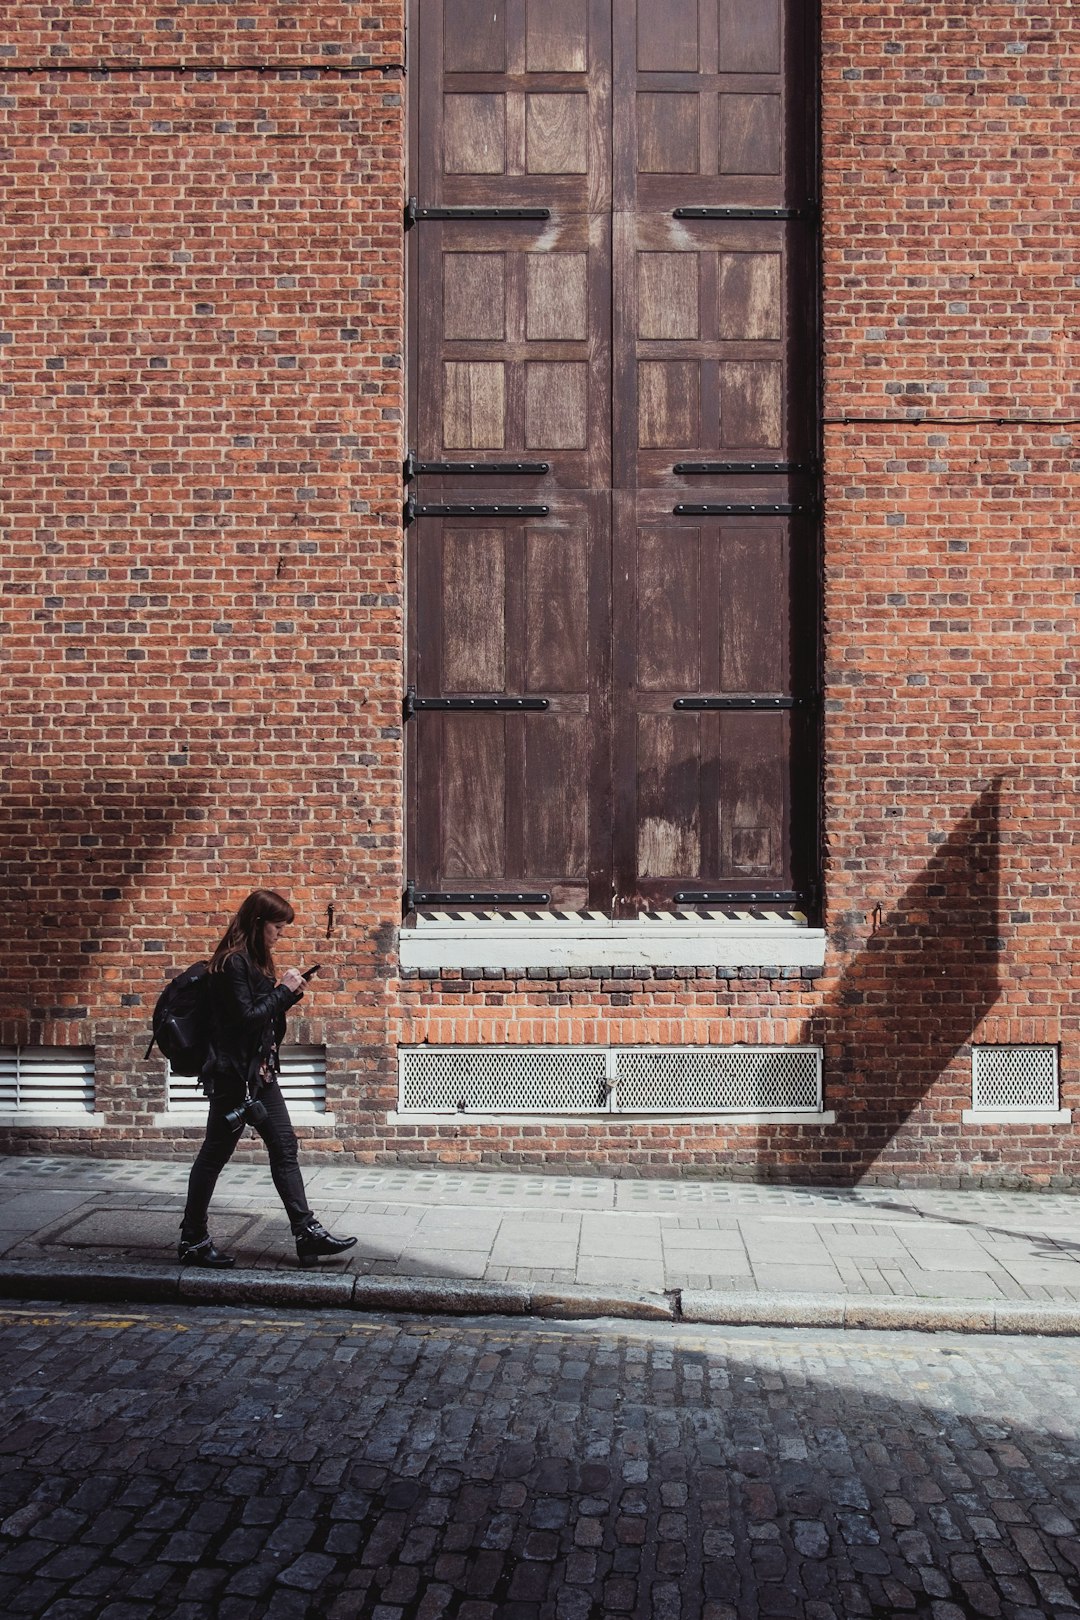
pixel 131 1283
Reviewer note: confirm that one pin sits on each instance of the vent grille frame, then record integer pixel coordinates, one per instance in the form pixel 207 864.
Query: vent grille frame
pixel 720 1079
pixel 471 1083
pixel 302 1080
pixel 1010 1078
pixel 47 1080
pixel 604 1082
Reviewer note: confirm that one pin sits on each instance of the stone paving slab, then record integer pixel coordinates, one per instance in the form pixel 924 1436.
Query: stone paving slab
pixel 604 1237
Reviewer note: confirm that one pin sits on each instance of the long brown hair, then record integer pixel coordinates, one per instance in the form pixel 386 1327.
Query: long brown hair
pixel 246 932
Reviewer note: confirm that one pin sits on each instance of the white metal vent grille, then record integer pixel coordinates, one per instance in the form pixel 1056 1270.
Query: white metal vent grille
pixel 627 1080
pixel 504 1080
pixel 303 1083
pixel 1022 1077
pixel 303 1077
pixel 46 1079
pixel 683 1080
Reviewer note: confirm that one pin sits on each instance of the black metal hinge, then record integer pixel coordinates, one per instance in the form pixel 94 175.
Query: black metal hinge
pixel 739 509
pixel 413 704
pixel 726 897
pixel 472 469
pixel 414 213
pixel 809 211
pixel 414 897
pixel 725 467
pixel 421 509
pixel 741 702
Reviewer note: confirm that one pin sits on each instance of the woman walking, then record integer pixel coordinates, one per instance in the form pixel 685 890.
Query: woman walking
pixel 240 1076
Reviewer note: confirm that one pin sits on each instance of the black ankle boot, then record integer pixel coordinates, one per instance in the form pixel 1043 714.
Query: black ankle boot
pixel 203 1253
pixel 313 1241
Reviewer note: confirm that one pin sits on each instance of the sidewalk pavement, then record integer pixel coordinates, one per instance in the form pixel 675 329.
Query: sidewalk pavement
pixel 555 1246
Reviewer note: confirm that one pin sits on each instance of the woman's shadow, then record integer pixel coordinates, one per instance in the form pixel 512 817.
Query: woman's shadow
pixel 913 998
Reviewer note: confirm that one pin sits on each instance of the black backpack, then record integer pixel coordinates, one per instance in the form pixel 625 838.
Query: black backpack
pixel 182 1020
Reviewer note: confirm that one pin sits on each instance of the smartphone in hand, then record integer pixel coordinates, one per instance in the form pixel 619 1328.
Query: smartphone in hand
pixel 309 973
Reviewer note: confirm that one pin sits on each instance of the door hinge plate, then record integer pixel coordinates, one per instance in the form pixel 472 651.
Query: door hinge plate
pixel 414 897
pixel 809 211
pixel 414 468
pixel 742 701
pixel 739 508
pixel 414 214
pixel 474 705
pixel 424 509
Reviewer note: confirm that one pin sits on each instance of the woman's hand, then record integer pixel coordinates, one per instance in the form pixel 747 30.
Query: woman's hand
pixel 293 980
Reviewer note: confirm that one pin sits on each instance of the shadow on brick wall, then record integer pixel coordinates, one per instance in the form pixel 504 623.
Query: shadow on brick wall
pixel 916 993
pixel 75 865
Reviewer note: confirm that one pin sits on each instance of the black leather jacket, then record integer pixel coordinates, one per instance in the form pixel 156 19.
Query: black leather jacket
pixel 247 1025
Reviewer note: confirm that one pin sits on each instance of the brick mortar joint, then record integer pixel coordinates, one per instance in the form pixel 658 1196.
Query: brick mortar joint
pixel 359 62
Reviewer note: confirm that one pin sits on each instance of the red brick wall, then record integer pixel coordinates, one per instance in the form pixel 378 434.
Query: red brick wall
pixel 951 733
pixel 201 300
pixel 201 307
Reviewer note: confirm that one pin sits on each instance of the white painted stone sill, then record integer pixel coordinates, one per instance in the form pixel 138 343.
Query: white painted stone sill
pixel 1017 1116
pixel 606 942
pixel 598 1117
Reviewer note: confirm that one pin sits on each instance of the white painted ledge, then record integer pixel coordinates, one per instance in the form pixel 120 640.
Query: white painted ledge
pixel 446 942
pixel 1017 1116
pixel 780 1117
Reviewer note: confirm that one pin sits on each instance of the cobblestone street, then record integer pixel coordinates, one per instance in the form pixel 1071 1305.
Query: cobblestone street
pixel 198 1463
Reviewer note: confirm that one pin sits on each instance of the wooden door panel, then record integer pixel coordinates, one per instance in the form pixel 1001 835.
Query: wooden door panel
pixel 557 36
pixel 755 778
pixel 711 796
pixel 706 608
pixel 749 36
pixel 472 789
pixel 556 788
pixel 707 36
pixel 515 361
pixel 509 604
pixel 755 607
pixel 706 603
pixel 702 102
pixel 670 762
pixel 514 104
pixel 509 804
pixel 472 34
pixel 512 607
pixel 709 345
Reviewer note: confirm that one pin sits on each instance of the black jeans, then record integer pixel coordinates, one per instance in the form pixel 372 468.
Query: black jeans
pixel 217 1149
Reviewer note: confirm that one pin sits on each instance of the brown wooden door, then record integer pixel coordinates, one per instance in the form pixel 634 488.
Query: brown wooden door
pixel 612 577
pixel 511 409
pixel 714 427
